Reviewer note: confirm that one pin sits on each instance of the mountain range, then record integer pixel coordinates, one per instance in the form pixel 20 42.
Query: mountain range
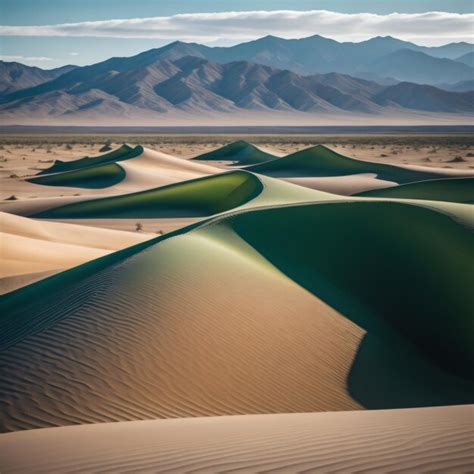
pixel 15 76
pixel 312 75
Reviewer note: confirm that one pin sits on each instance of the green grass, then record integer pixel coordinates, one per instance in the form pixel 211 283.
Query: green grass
pixel 125 152
pixel 92 177
pixel 194 198
pixel 242 152
pixel 459 190
pixel 320 161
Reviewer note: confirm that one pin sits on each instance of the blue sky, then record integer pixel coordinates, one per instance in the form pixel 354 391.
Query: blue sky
pixel 151 23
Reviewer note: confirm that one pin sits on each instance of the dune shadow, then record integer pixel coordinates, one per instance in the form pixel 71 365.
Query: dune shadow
pixel 386 376
pixel 373 264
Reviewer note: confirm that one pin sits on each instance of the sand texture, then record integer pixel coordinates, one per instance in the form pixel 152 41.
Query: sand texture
pixel 423 440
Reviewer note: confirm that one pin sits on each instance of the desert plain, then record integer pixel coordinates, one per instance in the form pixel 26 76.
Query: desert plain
pixel 236 302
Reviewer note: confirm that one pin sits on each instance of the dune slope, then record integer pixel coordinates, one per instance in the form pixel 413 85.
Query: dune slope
pixel 382 441
pixel 283 295
pixel 240 152
pixel 459 190
pixel 97 176
pixel 320 161
pixel 147 170
pixel 31 249
pixel 124 152
pixel 198 197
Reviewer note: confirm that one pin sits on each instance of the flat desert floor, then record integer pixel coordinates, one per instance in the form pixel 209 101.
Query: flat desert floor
pixel 236 303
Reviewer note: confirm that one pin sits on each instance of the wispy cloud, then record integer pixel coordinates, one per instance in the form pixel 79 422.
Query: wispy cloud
pixel 432 27
pixel 9 57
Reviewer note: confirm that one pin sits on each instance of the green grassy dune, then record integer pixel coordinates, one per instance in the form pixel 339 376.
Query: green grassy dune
pixel 459 190
pixel 242 152
pixel 193 198
pixel 122 153
pixel 92 177
pixel 320 161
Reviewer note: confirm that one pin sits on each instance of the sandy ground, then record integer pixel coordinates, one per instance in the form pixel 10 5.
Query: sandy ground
pixel 422 440
pixel 26 159
pixel 32 249
pixel 148 226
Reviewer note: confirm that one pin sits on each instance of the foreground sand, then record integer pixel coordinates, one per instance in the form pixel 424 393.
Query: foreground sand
pixel 31 249
pixel 435 440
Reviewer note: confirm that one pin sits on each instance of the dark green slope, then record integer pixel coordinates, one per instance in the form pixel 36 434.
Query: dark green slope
pixel 407 266
pixel 193 198
pixel 92 177
pixel 124 152
pixel 453 190
pixel 320 161
pixel 242 152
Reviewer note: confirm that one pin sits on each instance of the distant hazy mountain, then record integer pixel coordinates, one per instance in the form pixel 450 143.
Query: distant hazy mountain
pixel 317 54
pixel 461 86
pixel 415 66
pixel 467 58
pixel 15 76
pixel 148 84
pixel 423 97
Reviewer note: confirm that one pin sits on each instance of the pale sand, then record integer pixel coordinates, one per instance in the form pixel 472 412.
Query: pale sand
pixel 11 283
pixel 157 226
pixel 418 440
pixel 32 249
pixel 343 185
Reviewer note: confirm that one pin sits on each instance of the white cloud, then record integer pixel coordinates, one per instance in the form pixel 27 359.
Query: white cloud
pixel 8 57
pixel 430 27
pixel 73 54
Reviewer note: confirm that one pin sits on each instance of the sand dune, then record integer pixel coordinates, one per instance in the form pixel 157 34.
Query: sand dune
pixel 146 170
pixel 302 311
pixel 153 333
pixel 193 198
pixel 459 190
pixel 322 168
pixel 343 185
pixel 30 249
pixel 418 440
pixel 239 153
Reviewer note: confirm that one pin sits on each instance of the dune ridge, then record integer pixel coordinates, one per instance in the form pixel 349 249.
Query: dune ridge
pixel 115 327
pixel 317 166
pixel 239 152
pixel 459 190
pixel 197 197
